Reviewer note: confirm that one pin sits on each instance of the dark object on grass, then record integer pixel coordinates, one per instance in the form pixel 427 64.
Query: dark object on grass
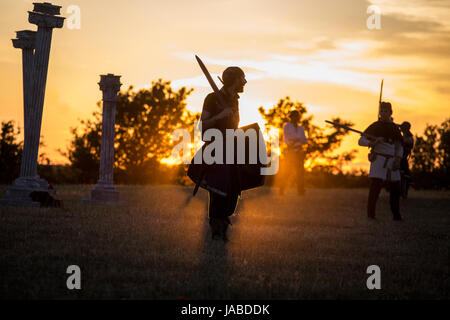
pixel 45 199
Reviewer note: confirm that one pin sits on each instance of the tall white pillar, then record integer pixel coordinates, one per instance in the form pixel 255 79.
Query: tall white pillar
pixel 104 191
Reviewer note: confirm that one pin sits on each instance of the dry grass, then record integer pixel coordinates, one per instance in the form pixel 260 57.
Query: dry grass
pixel 159 247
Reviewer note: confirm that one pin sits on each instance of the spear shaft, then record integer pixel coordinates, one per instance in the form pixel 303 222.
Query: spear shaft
pixel 381 95
pixel 338 125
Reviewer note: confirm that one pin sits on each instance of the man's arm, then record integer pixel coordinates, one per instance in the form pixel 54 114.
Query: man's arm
pixel 207 118
pixel 398 153
pixel 287 137
pixel 209 121
pixel 364 142
pixel 302 139
pixel 368 137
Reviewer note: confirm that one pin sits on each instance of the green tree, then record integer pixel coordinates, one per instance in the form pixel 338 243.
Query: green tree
pixel 431 157
pixel 322 142
pixel 84 150
pixel 145 120
pixel 425 153
pixel 10 152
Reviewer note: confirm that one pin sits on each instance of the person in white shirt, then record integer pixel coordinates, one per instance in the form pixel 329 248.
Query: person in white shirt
pixel 295 139
pixel 386 153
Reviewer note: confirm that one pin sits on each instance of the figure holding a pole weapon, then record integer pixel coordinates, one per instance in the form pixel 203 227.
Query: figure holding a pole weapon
pixel 408 143
pixel 385 155
pixel 384 139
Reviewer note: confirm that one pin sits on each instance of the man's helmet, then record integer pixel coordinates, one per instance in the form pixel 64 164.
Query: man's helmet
pixel 405 126
pixel 230 74
pixel 386 105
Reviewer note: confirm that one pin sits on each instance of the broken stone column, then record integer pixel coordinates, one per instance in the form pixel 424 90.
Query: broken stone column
pixel 35 68
pixel 104 191
pixel 45 17
pixel 26 41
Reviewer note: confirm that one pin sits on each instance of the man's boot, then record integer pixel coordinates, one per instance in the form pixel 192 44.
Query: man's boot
pixel 216 226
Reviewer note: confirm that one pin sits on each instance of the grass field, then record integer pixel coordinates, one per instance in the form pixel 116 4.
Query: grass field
pixel 159 247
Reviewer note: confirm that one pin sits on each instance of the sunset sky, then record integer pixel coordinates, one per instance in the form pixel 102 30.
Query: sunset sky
pixel 317 52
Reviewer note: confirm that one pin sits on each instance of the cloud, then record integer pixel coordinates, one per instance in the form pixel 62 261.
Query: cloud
pixel 313 45
pixel 200 81
pixel 325 66
pixel 419 10
pixel 413 28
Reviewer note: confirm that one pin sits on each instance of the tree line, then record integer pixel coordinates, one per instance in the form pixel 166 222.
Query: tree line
pixel 146 118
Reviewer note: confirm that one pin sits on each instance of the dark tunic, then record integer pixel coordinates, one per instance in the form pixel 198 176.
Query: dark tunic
pixel 226 181
pixel 223 177
pixel 408 144
pixel 212 106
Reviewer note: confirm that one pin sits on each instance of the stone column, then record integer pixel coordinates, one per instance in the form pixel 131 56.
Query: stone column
pixel 26 41
pixel 104 191
pixel 44 15
pixel 35 67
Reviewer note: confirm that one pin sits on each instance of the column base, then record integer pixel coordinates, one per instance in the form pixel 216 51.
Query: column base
pixel 19 193
pixel 103 194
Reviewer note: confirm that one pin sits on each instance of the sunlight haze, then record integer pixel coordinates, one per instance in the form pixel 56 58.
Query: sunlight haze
pixel 318 52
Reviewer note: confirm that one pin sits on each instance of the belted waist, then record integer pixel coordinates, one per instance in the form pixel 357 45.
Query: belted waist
pixel 374 154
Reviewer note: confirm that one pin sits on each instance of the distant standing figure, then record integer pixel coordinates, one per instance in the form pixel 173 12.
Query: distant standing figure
pixel 295 139
pixel 385 157
pixel 408 144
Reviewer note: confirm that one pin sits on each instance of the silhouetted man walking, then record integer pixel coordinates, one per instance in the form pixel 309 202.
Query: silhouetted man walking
pixel 385 157
pixel 217 116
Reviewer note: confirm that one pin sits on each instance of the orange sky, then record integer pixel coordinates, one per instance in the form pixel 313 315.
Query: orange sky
pixel 317 52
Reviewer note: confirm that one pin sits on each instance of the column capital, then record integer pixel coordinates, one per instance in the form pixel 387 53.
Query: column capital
pixel 45 20
pixel 25 39
pixel 47 8
pixel 109 85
